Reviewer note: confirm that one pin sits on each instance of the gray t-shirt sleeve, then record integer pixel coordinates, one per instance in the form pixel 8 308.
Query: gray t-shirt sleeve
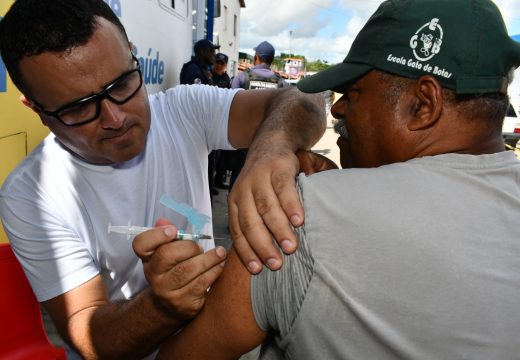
pixel 277 296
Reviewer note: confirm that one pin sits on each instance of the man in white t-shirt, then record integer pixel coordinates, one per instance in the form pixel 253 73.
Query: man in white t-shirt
pixel 112 155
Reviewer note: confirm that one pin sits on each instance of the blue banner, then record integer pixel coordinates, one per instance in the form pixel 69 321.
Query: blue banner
pixel 3 77
pixel 3 74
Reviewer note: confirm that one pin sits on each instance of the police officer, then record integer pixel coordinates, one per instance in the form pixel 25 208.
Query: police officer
pixel 260 75
pixel 198 69
pixel 220 76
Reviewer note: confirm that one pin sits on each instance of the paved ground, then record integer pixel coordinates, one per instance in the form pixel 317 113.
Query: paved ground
pixel 326 146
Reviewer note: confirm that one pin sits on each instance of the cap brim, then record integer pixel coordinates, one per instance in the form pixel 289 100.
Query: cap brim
pixel 333 77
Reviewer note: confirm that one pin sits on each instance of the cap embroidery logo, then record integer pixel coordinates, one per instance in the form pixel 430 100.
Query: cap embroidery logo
pixel 425 43
pixel 430 37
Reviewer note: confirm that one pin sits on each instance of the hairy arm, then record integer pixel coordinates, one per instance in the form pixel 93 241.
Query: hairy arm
pixel 97 329
pixel 179 275
pixel 274 124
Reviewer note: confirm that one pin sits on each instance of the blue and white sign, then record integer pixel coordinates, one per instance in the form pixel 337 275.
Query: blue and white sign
pixel 152 67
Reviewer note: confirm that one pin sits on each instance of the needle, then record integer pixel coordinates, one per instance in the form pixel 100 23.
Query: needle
pixel 136 230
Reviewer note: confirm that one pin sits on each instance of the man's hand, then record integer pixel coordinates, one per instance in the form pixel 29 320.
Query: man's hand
pixel 311 163
pixel 264 203
pixel 265 193
pixel 178 271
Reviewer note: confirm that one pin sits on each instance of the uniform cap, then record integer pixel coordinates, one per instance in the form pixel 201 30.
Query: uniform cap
pixel 463 43
pixel 204 44
pixel 221 57
pixel 264 49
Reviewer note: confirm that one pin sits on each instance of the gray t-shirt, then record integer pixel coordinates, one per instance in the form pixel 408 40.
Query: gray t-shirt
pixel 415 260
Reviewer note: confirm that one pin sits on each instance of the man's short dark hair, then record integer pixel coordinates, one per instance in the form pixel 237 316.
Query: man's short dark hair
pixel 32 27
pixel 266 59
pixel 490 107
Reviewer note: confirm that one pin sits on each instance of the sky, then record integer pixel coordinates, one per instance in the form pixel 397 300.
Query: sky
pixel 321 29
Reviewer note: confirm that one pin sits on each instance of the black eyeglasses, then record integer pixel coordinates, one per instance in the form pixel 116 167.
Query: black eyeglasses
pixel 87 109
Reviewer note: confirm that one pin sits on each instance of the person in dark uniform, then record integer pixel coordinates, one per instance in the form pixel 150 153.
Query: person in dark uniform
pixel 223 158
pixel 198 69
pixel 220 76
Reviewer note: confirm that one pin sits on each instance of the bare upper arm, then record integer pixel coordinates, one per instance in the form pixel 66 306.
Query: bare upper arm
pixel 71 311
pixel 247 113
pixel 226 327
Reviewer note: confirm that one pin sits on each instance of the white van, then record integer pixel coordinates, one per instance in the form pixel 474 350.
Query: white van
pixel 511 127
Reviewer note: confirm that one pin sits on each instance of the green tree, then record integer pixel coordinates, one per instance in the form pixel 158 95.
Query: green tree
pixel 317 65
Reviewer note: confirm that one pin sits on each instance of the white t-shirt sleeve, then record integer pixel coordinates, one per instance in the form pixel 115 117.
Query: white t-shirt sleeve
pixel 202 111
pixel 54 258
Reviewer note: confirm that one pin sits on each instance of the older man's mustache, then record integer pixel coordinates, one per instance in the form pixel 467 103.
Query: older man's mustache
pixel 340 128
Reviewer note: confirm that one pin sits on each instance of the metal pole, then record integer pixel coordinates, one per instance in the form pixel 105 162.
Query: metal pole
pixel 211 19
pixel 290 39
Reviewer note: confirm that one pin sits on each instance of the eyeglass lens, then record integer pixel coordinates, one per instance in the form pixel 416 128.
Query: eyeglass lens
pixel 118 92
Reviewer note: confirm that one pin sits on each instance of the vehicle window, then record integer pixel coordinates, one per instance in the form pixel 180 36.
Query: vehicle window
pixel 511 111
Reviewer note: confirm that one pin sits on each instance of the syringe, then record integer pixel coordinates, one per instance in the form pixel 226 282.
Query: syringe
pixel 136 230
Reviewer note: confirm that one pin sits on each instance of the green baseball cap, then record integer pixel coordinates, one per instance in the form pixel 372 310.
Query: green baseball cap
pixel 463 43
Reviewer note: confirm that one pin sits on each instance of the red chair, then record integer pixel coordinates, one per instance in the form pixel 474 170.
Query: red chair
pixel 22 334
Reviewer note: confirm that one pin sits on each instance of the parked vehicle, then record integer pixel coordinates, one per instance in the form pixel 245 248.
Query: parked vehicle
pixel 511 127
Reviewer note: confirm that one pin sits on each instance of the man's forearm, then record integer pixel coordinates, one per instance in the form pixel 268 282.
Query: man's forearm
pixel 128 329
pixel 293 119
pixel 136 329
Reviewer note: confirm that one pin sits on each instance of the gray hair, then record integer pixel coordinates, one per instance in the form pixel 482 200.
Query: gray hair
pixel 340 128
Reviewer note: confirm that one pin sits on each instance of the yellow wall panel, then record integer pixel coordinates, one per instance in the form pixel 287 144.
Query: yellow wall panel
pixel 3 236
pixel 13 149
pixel 20 128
